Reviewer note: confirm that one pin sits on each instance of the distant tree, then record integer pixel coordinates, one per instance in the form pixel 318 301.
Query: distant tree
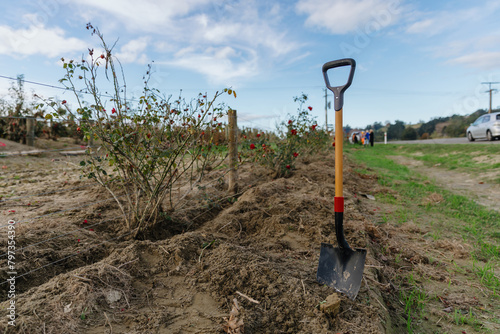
pixel 395 131
pixel 379 135
pixel 409 133
pixel 347 128
pixel 430 126
pixel 17 94
pixel 377 126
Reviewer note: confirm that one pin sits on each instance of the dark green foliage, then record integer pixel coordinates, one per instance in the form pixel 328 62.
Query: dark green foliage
pixel 409 133
pixel 395 131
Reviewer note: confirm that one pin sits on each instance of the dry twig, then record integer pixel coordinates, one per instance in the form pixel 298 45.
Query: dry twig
pixel 249 298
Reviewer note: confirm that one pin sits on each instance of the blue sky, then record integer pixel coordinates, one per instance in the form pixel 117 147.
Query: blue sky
pixel 415 59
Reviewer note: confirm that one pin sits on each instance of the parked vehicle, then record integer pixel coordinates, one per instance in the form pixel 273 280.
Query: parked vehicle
pixel 355 137
pixel 486 126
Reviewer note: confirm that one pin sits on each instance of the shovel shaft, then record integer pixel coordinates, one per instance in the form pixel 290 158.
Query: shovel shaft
pixel 339 147
pixel 339 180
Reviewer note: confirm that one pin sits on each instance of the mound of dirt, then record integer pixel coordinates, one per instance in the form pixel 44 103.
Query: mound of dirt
pixel 245 267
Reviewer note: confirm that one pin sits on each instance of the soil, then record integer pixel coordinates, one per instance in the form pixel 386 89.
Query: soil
pixel 479 188
pixel 242 266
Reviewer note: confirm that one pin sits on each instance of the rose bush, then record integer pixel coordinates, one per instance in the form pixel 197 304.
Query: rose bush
pixel 144 147
pixel 296 136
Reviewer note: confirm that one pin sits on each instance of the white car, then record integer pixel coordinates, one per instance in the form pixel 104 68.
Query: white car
pixel 486 126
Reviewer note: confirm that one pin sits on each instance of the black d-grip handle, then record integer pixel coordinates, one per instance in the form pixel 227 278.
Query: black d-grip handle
pixel 338 92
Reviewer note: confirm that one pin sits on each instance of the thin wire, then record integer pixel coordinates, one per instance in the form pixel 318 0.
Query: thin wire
pixel 60 88
pixel 360 89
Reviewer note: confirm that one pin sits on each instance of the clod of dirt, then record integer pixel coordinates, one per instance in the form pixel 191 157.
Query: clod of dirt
pixel 432 199
pixel 332 305
pixel 113 296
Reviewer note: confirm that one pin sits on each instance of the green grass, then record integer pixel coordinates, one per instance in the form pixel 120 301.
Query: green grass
pixel 414 300
pixel 456 216
pixel 457 157
pixel 466 317
pixel 474 222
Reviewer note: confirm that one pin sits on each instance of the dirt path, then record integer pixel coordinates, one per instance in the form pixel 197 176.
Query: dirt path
pixel 476 187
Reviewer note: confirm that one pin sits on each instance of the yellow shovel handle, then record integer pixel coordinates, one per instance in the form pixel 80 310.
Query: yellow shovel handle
pixel 339 141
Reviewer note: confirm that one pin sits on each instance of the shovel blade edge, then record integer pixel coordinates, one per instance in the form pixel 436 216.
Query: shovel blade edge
pixel 341 269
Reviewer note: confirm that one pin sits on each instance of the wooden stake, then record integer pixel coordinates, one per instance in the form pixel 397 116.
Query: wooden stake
pixel 233 152
pixel 30 131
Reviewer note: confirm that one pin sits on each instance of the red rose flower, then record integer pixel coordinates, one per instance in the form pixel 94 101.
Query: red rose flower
pixel 288 167
pixel 63 101
pixel 290 122
pixel 252 146
pixel 310 108
pixel 102 57
pixel 258 135
pixel 295 154
pixel 294 132
pixel 333 144
pixel 113 110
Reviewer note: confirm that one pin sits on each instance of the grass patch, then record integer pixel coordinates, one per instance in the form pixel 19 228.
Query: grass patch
pixel 446 216
pixel 466 158
pixel 475 224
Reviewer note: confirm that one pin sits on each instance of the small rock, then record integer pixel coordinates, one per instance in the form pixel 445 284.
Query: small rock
pixel 332 305
pixel 113 296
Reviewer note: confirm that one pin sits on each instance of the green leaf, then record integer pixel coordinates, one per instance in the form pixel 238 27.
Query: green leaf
pixel 82 163
pixel 48 116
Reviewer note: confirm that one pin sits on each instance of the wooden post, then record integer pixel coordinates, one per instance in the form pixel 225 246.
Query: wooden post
pixel 233 152
pixel 30 131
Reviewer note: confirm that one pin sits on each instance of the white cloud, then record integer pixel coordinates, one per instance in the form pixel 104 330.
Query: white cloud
pixel 37 40
pixel 133 51
pixel 438 22
pixel 221 65
pixel 217 38
pixel 344 16
pixel 433 23
pixel 145 15
pixel 480 60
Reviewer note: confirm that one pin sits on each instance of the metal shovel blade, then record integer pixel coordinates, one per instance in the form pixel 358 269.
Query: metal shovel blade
pixel 341 268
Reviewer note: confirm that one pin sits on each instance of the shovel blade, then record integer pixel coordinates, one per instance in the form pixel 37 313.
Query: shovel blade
pixel 341 269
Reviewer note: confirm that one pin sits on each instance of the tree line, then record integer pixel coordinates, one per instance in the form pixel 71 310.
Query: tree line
pixel 438 127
